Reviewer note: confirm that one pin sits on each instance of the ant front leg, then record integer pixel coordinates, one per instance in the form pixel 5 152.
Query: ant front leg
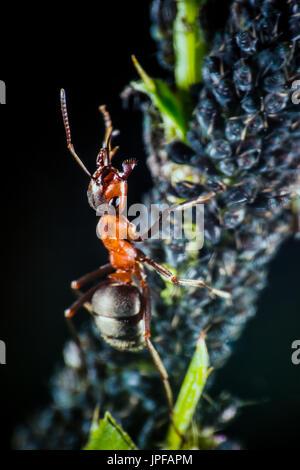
pixel 100 272
pixel 181 282
pixel 179 207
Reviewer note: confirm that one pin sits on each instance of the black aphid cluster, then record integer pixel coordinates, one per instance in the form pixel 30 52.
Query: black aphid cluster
pixel 245 132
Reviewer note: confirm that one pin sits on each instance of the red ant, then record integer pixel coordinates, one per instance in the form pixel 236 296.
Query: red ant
pixel 121 305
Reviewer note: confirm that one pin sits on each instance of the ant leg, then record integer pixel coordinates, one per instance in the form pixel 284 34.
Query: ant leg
pixel 70 312
pixel 76 339
pixel 181 282
pixel 165 380
pixel 152 350
pixel 154 353
pixel 179 207
pixel 162 372
pixel 74 335
pixel 100 272
pixel 81 302
pixel 88 306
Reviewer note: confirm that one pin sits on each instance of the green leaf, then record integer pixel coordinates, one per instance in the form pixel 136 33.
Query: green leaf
pixel 168 103
pixel 190 48
pixel 189 394
pixel 106 434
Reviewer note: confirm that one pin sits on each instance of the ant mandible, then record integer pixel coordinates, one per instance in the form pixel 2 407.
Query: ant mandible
pixel 121 304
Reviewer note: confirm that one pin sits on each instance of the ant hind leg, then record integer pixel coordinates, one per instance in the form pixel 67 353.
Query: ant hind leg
pixel 152 350
pixel 82 301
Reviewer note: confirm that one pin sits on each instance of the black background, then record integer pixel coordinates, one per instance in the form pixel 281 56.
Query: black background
pixel 48 229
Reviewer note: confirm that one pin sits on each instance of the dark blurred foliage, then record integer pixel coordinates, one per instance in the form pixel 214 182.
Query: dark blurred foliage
pixel 48 228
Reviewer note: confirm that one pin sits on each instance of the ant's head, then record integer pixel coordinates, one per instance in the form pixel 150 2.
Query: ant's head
pixel 108 186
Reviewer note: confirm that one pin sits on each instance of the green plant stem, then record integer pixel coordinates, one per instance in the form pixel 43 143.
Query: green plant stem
pixel 189 49
pixel 189 44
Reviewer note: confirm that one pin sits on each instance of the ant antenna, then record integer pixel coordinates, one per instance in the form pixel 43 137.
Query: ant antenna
pixel 108 125
pixel 109 134
pixel 64 112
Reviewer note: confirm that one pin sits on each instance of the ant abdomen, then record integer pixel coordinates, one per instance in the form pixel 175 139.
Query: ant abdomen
pixel 118 314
